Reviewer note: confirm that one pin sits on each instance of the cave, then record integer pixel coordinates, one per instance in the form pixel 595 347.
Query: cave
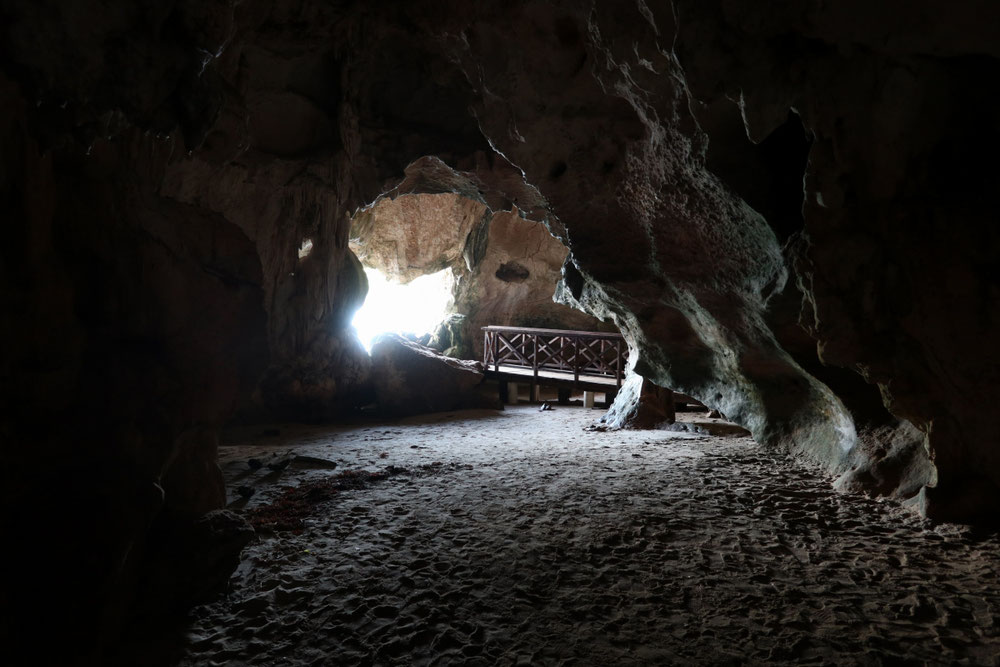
pixel 784 215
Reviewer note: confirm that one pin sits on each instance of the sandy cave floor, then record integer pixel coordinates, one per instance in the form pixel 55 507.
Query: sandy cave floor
pixel 519 537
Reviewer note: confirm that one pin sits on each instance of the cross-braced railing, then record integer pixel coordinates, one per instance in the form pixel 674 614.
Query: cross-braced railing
pixel 586 353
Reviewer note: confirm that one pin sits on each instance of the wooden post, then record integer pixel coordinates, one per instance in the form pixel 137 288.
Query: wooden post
pixel 534 355
pixel 496 352
pixel 668 405
pixel 576 360
pixel 534 367
pixel 618 364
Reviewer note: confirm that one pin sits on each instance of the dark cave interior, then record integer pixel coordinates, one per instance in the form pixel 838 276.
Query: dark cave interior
pixel 786 213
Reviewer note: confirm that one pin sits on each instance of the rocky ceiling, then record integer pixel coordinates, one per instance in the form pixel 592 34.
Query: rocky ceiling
pixel 787 212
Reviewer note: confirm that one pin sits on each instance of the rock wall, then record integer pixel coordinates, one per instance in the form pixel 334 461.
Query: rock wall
pixel 607 135
pixel 616 132
pixel 514 281
pixel 132 324
pixel 414 235
pixel 162 167
pixel 506 267
pixel 897 237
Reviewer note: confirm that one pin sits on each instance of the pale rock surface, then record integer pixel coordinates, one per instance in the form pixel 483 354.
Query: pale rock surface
pixel 506 267
pixel 514 282
pixel 414 235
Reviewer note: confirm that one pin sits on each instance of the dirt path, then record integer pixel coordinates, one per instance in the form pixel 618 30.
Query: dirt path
pixel 520 538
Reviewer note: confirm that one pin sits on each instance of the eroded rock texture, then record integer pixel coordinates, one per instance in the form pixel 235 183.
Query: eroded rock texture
pixel 897 236
pixel 720 174
pixel 415 235
pixel 505 267
pixel 643 405
pixel 513 282
pixel 617 134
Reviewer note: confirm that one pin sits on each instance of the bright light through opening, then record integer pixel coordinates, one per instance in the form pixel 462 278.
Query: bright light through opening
pixel 416 307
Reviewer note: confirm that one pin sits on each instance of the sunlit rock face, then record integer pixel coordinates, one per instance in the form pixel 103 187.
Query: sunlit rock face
pixel 414 235
pixel 162 167
pixel 506 268
pixel 514 281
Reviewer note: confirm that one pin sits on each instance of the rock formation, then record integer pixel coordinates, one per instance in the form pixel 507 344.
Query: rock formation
pixel 616 135
pixel 414 235
pixel 640 404
pixel 412 379
pixel 505 267
pixel 720 175
pixel 514 281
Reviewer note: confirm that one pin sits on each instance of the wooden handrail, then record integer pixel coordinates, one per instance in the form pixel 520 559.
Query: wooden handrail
pixel 588 353
pixel 557 332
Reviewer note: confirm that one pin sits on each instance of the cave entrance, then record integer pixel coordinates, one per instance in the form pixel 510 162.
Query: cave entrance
pixel 502 269
pixel 415 308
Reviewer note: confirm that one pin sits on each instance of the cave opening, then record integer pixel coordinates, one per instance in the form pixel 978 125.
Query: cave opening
pixel 488 267
pixel 444 270
pixel 413 309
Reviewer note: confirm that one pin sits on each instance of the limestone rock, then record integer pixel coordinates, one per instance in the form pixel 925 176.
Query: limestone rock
pixel 701 264
pixel 514 282
pixel 414 235
pixel 506 266
pixel 889 459
pixel 888 212
pixel 640 404
pixel 413 379
pixel 451 338
pixel 192 481
pixel 713 168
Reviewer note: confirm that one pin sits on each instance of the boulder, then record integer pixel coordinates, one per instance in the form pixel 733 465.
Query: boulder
pixel 412 379
pixel 450 338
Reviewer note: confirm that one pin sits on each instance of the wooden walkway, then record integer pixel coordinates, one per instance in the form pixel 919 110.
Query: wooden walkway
pixel 582 360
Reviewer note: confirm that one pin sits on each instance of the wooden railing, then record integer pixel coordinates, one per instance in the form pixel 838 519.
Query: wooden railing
pixel 586 353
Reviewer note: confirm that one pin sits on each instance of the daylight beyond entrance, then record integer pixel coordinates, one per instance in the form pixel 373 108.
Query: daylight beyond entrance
pixel 416 307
